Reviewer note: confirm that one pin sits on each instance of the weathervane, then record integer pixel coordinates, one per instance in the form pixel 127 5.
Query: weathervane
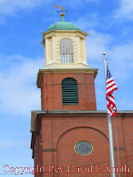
pixel 62 10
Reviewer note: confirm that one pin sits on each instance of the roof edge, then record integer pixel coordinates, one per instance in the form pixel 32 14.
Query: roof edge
pixel 78 112
pixel 81 31
pixel 35 113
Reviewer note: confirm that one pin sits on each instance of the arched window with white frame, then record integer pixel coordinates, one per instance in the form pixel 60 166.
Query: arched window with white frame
pixel 66 51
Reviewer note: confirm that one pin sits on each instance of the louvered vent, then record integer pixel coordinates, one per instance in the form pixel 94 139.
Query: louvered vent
pixel 69 91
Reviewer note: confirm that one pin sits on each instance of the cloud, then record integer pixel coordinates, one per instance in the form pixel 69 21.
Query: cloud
pixel 83 22
pixel 6 144
pixel 122 58
pixel 18 84
pixel 96 44
pixel 79 2
pixel 10 7
pixel 125 10
pixel 122 103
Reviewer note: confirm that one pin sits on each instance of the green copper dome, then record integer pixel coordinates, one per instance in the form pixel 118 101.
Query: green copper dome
pixel 63 26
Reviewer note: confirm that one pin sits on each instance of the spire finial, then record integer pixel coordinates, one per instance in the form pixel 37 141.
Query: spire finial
pixel 62 17
pixel 62 10
pixel 104 54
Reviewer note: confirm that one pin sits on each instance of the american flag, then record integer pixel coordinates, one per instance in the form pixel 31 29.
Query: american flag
pixel 110 88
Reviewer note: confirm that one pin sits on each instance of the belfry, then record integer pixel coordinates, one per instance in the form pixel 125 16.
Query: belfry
pixel 69 134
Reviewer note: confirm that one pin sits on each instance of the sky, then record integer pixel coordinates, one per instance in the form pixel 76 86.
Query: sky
pixel 109 25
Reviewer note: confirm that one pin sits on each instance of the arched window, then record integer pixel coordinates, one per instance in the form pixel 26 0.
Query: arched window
pixel 69 91
pixel 66 51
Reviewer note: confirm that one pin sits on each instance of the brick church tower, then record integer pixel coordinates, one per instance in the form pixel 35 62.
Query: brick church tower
pixel 69 135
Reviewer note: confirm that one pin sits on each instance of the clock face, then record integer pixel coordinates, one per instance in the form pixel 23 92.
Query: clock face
pixel 83 148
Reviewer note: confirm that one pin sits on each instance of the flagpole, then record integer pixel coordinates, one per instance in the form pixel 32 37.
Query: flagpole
pixel 111 145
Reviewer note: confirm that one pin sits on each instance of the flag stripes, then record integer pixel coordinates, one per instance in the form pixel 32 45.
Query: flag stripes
pixel 110 88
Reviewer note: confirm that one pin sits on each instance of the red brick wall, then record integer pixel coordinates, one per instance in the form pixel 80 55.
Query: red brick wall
pixel 38 160
pixel 51 91
pixel 60 132
pixel 127 122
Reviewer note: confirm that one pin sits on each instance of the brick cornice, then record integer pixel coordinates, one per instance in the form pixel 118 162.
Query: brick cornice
pixel 74 114
pixel 76 71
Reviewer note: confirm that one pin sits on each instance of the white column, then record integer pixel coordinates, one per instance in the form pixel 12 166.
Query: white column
pixel 53 49
pixel 84 53
pixel 46 52
pixel 78 50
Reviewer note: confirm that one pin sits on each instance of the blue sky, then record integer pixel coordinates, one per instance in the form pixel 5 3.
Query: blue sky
pixel 109 24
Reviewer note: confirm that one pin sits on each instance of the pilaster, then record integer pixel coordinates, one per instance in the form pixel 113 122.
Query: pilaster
pixel 78 50
pixel 53 49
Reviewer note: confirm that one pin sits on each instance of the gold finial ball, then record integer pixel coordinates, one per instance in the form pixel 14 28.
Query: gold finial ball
pixel 62 14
